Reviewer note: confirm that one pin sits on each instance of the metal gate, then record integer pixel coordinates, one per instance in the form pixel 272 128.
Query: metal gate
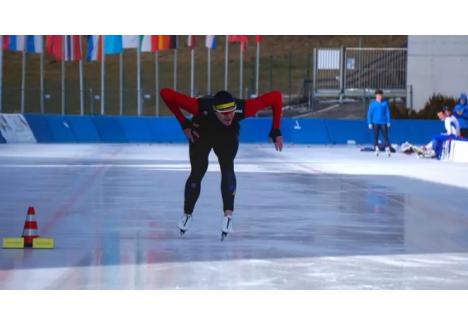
pixel 357 71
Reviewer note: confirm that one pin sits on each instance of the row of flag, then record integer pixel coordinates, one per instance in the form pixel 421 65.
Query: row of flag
pixel 68 48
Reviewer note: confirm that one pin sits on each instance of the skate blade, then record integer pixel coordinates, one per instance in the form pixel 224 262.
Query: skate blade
pixel 182 232
pixel 223 235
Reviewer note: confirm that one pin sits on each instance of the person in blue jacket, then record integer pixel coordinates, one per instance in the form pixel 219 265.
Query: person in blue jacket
pixel 378 118
pixel 460 111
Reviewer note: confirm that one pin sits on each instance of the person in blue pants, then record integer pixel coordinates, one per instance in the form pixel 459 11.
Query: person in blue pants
pixel 378 119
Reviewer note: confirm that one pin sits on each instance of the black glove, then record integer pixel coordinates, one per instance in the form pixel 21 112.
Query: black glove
pixel 274 133
pixel 187 124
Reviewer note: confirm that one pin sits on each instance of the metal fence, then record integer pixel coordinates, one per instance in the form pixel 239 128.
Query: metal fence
pixel 357 71
pixel 301 76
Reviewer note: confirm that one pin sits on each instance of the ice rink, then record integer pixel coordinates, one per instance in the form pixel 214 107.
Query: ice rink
pixel 311 217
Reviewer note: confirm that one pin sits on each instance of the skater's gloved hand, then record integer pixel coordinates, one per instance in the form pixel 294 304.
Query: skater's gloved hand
pixel 276 138
pixel 189 130
pixel 370 126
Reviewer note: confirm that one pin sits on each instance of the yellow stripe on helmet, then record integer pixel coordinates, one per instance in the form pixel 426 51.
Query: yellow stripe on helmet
pixel 226 106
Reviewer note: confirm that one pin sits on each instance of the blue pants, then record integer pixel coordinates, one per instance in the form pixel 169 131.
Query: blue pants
pixel 438 143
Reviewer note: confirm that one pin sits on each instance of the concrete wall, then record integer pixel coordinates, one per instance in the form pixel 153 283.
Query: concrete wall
pixel 437 64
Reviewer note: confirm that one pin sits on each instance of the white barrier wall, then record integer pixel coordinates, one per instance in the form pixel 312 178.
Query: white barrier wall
pixel 15 129
pixel 459 151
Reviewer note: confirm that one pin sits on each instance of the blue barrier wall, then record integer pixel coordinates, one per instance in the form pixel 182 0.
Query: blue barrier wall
pixel 110 129
pixel 83 129
pixel 40 128
pixel 116 129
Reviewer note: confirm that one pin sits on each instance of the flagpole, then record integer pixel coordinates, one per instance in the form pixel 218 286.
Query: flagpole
pixel 209 72
pixel 192 72
pixel 41 76
pixel 241 67
pixel 121 83
pixel 139 106
pixel 226 64
pixel 23 76
pixel 156 84
pixel 175 69
pixel 81 78
pixel 257 70
pixel 103 70
pixel 1 73
pixel 63 74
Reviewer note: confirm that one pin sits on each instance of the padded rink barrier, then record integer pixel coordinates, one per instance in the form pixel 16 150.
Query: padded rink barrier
pixel 83 129
pixel 345 131
pixel 458 151
pixel 60 129
pixel 40 128
pixel 110 129
pixel 148 129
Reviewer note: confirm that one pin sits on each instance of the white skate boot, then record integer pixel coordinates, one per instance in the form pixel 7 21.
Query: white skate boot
pixel 388 151
pixel 377 151
pixel 226 227
pixel 185 223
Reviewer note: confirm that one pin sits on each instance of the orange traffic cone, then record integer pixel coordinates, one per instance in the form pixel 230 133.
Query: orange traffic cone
pixel 30 230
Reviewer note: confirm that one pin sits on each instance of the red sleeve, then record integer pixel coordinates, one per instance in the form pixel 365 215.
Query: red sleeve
pixel 271 99
pixel 176 101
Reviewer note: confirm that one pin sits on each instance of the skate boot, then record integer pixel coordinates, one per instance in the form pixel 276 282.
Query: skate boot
pixel 226 227
pixel 377 151
pixel 388 151
pixel 184 223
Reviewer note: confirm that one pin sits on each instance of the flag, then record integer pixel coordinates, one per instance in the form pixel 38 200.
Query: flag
pixel 5 42
pixel 34 44
pixel 149 43
pixel 72 48
pixel 54 46
pixel 94 52
pixel 130 41
pixel 191 41
pixel 258 38
pixel 242 39
pixel 210 41
pixel 163 42
pixel 112 44
pixel 14 42
pixel 173 42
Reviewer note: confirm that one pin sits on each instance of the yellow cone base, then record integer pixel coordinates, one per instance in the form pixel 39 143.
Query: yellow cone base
pixel 43 243
pixel 13 243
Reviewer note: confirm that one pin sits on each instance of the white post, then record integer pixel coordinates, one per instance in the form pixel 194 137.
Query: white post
pixel 81 79
pixel 1 73
pixel 226 64
pixel 139 104
pixel 121 83
pixel 103 70
pixel 192 72
pixel 175 69
pixel 41 76
pixel 208 78
pixel 241 73
pixel 257 70
pixel 156 84
pixel 23 77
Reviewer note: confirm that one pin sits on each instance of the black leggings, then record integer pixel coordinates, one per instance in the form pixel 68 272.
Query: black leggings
pixel 384 130
pixel 226 150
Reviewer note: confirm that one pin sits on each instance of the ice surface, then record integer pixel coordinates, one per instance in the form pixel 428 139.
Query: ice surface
pixel 311 217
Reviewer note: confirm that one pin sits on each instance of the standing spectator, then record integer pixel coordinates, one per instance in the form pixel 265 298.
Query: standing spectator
pixel 378 118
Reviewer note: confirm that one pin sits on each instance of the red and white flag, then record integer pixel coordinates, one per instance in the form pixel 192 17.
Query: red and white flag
pixel 191 41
